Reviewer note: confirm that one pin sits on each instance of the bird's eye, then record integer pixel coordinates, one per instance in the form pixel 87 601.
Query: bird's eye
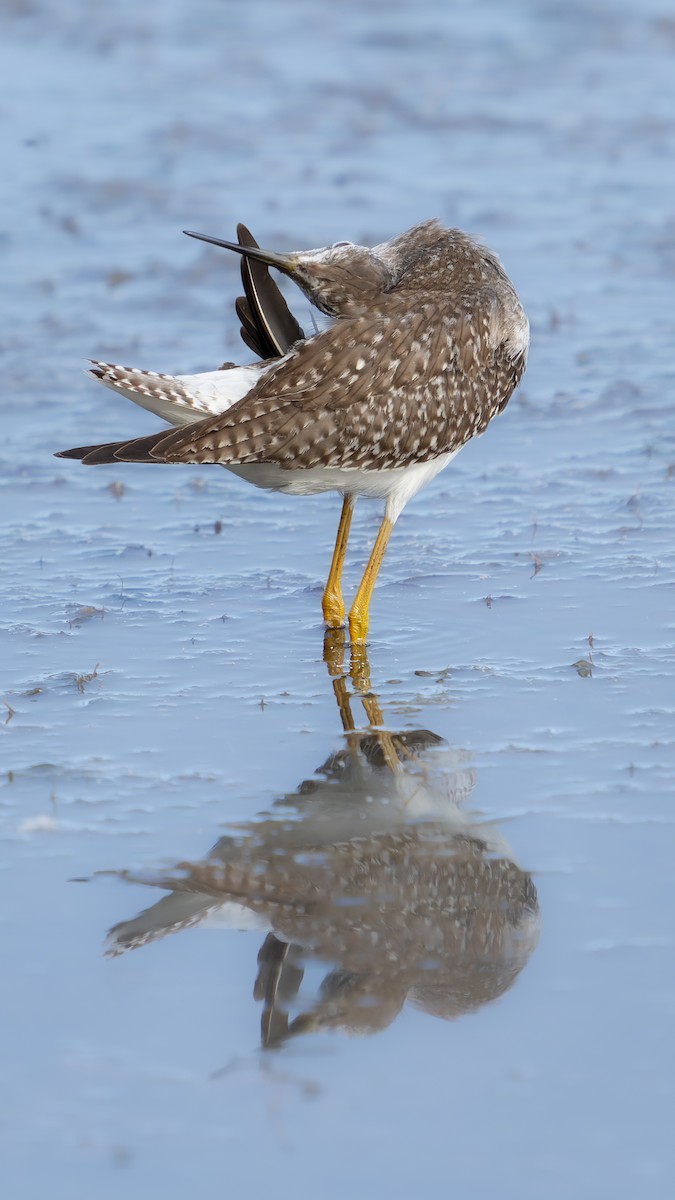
pixel 336 245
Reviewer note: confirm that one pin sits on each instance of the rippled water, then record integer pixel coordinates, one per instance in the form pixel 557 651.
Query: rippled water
pixel 492 836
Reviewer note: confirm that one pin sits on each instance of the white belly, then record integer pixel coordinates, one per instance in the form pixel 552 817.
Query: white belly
pixel 396 485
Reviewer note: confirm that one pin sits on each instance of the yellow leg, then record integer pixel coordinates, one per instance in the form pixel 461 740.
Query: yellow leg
pixel 334 658
pixel 358 617
pixel 372 710
pixel 391 748
pixel 334 641
pixel 332 604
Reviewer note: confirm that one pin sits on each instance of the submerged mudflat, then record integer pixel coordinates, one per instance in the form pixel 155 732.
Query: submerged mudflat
pixel 458 848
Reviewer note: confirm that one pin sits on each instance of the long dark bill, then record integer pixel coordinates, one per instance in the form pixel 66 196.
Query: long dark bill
pixel 283 262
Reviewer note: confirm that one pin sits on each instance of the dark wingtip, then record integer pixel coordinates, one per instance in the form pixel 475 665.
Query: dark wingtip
pixel 90 456
pixel 245 236
pixel 76 452
pixel 100 456
pixel 140 449
pixel 134 450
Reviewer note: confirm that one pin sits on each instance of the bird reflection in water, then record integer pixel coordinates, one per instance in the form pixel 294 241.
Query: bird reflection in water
pixel 374 871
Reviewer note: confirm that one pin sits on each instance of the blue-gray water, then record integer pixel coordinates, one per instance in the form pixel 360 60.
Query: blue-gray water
pixel 161 681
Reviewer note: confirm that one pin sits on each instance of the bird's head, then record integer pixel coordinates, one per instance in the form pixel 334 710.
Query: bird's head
pixel 344 280
pixel 341 280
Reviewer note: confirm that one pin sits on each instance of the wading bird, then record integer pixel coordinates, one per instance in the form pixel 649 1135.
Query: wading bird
pixel 428 342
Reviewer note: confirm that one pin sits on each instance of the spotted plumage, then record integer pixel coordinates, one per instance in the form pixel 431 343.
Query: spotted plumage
pixel 373 869
pixel 429 340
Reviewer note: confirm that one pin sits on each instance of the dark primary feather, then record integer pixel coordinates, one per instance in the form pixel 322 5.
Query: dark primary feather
pixel 277 984
pixel 81 452
pixel 268 326
pixel 134 450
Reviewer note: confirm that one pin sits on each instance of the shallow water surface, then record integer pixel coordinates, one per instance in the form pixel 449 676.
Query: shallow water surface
pixel 275 918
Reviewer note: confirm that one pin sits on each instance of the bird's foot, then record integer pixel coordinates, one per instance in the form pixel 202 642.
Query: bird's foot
pixel 333 607
pixel 358 627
